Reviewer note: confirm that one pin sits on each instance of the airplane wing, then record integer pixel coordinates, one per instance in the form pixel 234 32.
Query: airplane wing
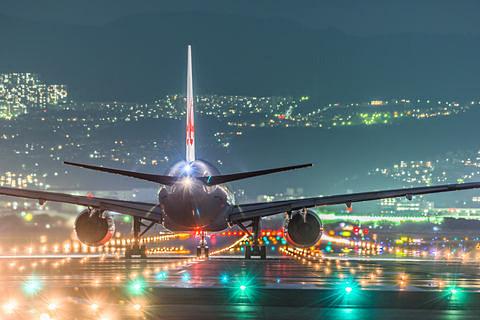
pixel 148 211
pixel 245 212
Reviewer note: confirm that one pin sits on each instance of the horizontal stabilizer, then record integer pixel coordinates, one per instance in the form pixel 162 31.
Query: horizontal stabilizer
pixel 213 180
pixel 166 180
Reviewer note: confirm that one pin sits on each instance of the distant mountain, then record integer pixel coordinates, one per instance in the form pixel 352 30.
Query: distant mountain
pixel 140 57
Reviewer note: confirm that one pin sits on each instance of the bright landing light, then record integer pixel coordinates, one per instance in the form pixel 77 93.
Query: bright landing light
pixel 187 182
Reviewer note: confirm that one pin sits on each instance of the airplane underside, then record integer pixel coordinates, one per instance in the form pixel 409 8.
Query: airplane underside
pixel 139 228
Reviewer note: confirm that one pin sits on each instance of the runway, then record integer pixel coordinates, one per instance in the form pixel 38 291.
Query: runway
pixel 61 287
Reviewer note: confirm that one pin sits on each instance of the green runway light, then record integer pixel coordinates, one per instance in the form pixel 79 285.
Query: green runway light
pixel 455 293
pixel 31 287
pixel 136 287
pixel 243 287
pixel 348 289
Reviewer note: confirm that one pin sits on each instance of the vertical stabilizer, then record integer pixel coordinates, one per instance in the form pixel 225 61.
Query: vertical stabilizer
pixel 190 156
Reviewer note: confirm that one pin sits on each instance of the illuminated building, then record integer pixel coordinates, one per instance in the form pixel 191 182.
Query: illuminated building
pixel 403 207
pixel 19 91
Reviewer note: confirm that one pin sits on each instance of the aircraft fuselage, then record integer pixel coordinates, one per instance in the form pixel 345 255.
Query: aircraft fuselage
pixel 191 204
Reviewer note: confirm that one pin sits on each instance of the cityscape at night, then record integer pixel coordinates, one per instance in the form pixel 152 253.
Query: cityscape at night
pixel 226 160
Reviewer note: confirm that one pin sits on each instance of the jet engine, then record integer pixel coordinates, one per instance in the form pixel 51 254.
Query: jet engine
pixel 303 230
pixel 94 227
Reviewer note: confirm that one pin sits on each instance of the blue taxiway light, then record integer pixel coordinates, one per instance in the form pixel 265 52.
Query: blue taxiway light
pixel 162 275
pixel 224 278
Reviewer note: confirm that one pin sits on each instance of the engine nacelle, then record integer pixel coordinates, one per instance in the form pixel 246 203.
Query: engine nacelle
pixel 303 233
pixel 94 228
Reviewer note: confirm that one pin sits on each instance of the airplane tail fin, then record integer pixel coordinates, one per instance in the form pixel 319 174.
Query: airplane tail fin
pixel 190 136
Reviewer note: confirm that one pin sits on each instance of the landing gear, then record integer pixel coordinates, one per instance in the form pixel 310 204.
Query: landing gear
pixel 202 248
pixel 137 249
pixel 256 250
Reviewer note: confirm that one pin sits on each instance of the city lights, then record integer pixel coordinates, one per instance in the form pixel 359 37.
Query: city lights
pixel 113 207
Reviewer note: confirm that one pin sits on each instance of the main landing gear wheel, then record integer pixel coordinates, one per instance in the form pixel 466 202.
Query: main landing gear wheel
pixel 256 250
pixel 202 249
pixel 136 249
pixel 202 252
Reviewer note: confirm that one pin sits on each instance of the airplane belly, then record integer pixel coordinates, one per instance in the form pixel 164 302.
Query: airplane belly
pixel 195 211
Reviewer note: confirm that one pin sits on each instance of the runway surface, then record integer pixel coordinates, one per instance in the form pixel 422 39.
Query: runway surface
pixel 63 287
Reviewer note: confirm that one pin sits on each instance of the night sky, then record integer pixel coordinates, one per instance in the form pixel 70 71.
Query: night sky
pixel 356 17
pixel 333 51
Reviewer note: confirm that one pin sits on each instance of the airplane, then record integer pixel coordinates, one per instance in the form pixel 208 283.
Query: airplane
pixel 194 197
